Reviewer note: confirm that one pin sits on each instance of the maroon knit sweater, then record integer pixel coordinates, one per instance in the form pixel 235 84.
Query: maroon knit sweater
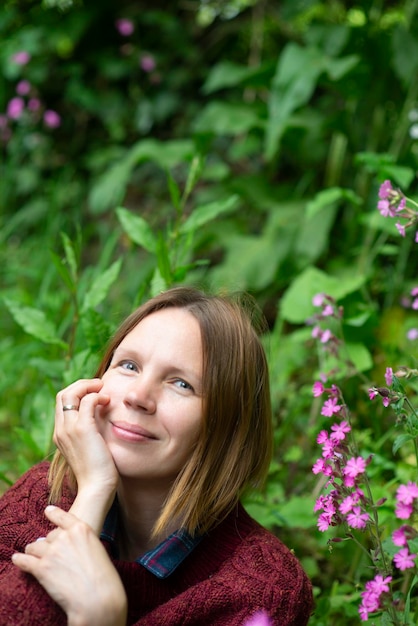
pixel 236 570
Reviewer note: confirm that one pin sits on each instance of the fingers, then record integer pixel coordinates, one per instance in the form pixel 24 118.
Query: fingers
pixel 59 517
pixel 73 394
pixel 75 406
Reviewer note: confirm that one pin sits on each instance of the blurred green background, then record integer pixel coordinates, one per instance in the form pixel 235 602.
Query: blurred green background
pixel 230 144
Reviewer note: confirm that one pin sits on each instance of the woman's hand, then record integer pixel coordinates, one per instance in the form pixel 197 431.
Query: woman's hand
pixel 77 437
pixel 75 570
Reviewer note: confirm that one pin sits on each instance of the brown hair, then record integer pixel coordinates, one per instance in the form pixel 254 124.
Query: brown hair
pixel 234 448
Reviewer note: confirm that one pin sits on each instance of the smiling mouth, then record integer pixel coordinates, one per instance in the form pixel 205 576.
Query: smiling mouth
pixel 131 432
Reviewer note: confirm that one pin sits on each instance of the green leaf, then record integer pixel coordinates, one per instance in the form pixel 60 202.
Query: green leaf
pixel 174 192
pixel 70 255
pixel 207 212
pixel 96 329
pixel 337 68
pixel 400 441
pixel 297 512
pixel 27 439
pixel 110 187
pixel 62 270
pixel 193 176
pixel 329 197
pixel 297 73
pixel 34 322
pixel 224 118
pixel 101 285
pixel 405 54
pixel 360 356
pixel 163 259
pixel 137 229
pixel 296 303
pixel 227 74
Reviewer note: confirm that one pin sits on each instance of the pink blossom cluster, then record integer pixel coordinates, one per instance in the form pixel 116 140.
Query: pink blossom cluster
pixel 328 311
pixel 411 301
pixel 406 506
pixel 25 104
pixel 393 203
pixel 371 600
pixel 345 502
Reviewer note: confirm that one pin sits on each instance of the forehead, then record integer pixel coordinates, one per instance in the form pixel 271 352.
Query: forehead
pixel 173 331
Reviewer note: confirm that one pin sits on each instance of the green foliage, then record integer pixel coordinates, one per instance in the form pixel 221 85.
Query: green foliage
pixel 227 144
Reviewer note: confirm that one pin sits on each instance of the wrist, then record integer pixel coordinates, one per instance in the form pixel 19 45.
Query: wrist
pixel 92 505
pixel 110 614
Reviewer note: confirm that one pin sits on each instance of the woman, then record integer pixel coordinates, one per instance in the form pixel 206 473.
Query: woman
pixel 153 456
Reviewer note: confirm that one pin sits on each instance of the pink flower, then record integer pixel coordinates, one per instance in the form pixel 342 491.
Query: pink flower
pixel 386 402
pixel 125 27
pixel 316 332
pixel 21 58
pixel 403 559
pixel 401 229
pixel 322 437
pixel 406 494
pixel 324 522
pixel 371 595
pixel 357 519
pixel 23 87
pixel 386 209
pixel 328 310
pixel 258 619
pixel 328 449
pixel 389 376
pixel 326 336
pixel 404 511
pixel 401 205
pixel 347 504
pixel 399 536
pixel 318 466
pixel 147 63
pixel 339 431
pixel 52 119
pixel 15 108
pixel 412 334
pixel 379 584
pixel 354 467
pixel 318 299
pixel 330 407
pixel 385 189
pixel 416 236
pixel 34 104
pixel 372 393
pixel 318 389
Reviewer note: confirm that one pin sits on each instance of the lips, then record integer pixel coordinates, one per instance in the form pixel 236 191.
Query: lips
pixel 131 432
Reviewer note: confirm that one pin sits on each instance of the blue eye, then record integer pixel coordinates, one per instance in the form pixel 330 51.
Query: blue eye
pixel 183 384
pixel 128 365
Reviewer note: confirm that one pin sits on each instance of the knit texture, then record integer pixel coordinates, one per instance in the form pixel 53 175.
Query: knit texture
pixel 238 569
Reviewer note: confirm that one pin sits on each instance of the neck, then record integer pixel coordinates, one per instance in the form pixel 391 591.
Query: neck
pixel 139 508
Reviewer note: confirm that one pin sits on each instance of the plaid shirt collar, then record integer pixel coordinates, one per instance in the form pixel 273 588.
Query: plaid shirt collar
pixel 162 560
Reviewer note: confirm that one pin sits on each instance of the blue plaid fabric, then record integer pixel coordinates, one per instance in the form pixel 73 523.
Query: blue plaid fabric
pixel 162 560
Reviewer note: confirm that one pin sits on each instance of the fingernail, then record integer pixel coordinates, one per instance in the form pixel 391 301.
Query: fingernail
pixel 50 507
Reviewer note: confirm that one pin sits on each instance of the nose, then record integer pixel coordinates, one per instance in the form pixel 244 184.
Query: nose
pixel 141 395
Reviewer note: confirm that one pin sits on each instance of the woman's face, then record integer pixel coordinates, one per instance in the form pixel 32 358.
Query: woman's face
pixel 155 411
